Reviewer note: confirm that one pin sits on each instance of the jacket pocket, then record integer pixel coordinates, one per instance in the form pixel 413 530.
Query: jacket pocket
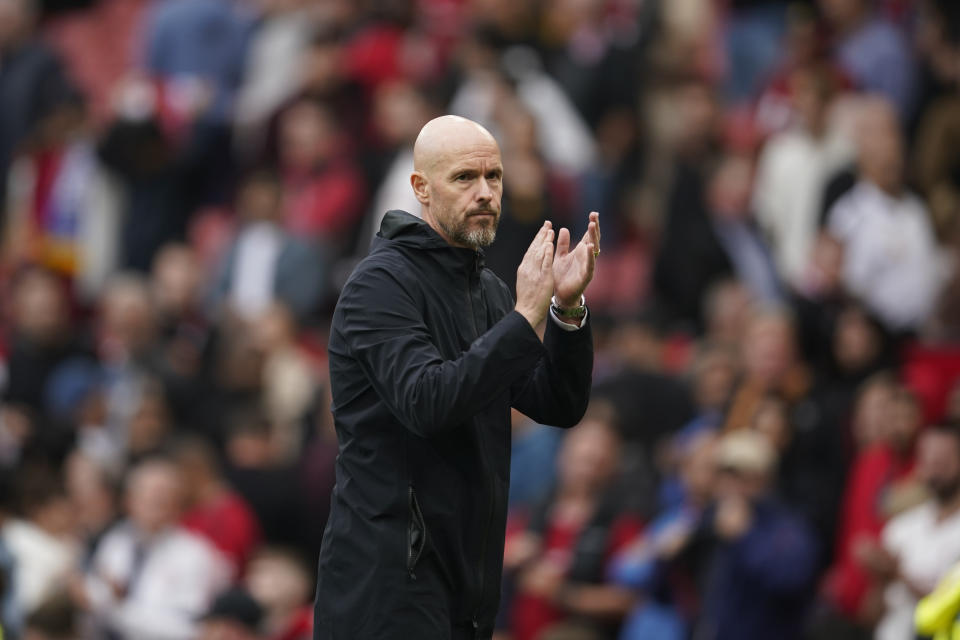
pixel 416 534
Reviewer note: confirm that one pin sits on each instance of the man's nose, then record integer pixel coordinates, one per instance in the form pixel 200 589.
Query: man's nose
pixel 484 192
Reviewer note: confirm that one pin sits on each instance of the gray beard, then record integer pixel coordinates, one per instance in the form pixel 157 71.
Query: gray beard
pixel 473 238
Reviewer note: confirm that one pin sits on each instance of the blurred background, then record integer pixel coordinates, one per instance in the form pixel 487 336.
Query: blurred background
pixel 772 448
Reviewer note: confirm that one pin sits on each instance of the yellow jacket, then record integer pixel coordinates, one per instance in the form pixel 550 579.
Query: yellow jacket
pixel 936 614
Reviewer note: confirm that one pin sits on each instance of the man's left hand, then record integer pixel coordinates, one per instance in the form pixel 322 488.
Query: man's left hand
pixel 573 270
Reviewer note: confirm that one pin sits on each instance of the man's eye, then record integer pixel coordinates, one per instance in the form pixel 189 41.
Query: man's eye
pixel 463 177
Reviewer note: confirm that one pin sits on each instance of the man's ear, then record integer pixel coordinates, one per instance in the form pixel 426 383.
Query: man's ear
pixel 419 183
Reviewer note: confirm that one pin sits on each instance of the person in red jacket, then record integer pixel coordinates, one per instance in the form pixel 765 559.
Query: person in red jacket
pixel 213 509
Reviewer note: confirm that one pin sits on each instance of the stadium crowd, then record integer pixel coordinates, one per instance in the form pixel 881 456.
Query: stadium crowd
pixel 772 448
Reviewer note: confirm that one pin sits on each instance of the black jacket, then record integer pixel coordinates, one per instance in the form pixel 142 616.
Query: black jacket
pixel 426 358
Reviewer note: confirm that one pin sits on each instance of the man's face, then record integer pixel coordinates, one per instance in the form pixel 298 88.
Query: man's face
pixel 465 188
pixel 938 464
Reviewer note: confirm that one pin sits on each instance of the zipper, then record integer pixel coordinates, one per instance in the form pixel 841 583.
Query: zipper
pixel 416 519
pixel 483 459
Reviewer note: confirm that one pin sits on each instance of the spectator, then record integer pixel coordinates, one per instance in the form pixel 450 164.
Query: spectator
pixel 667 605
pixel 282 583
pixel 873 52
pixel 891 259
pixel 234 615
pixel 764 558
pixel 560 560
pixel 41 541
pixel 212 509
pixel 41 338
pixel 266 261
pixel 94 497
pixel 32 81
pixel 55 619
pixel 149 577
pixel 793 171
pixel 920 545
pixel 889 417
pixel 323 189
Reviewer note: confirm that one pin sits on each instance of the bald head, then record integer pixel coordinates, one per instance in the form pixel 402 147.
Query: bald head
pixel 457 178
pixel 443 137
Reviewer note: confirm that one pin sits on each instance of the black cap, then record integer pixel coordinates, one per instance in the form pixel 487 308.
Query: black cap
pixel 237 605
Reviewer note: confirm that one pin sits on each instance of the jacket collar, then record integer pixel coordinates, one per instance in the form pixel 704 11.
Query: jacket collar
pixel 407 230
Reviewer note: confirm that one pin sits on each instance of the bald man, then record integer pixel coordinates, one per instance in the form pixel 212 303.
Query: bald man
pixel 428 353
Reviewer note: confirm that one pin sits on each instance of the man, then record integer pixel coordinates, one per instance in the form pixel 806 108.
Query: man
pixel 427 354
pixel 151 579
pixel 891 259
pixel 922 544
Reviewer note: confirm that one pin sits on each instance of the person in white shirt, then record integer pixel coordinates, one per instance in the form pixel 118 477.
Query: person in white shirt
pixel 149 578
pixel 920 545
pixel 891 258
pixel 793 172
pixel 42 545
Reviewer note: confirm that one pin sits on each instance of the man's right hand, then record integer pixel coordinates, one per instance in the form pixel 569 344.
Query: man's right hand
pixel 535 277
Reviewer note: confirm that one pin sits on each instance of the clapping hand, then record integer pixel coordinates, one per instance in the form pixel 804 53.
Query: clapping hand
pixel 535 277
pixel 573 269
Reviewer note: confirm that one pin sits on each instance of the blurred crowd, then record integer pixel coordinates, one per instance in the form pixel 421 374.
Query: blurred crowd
pixel 772 448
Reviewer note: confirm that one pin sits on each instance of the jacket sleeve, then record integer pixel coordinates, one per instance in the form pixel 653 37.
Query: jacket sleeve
pixel 385 332
pixel 556 391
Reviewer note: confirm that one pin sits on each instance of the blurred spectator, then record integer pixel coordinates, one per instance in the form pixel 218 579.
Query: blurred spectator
pixel 764 558
pixel 323 189
pixel 211 508
pixel 186 336
pixel 282 583
pixel 267 261
pixel 872 50
pixel 890 255
pixel 290 388
pixel 234 615
pixel 533 453
pixel 653 403
pixel 54 619
pixel 282 33
pixel 150 578
pixel 560 560
pixel 40 338
pixel 32 81
pixel 668 601
pixel 793 171
pixel 728 199
pixel 885 426
pixel 94 495
pixel 63 208
pixel 198 48
pixel 919 546
pixel 272 489
pixel 399 111
pixel 41 541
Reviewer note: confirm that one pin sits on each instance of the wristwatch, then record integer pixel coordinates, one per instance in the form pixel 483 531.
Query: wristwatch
pixel 572 313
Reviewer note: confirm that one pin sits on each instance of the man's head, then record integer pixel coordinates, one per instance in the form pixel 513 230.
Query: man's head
pixel 154 496
pixel 458 179
pixel 880 144
pixel 746 461
pixel 938 461
pixel 589 457
pixel 234 615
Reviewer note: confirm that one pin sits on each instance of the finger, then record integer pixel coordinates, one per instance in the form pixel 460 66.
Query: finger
pixel 563 243
pixel 547 264
pixel 534 248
